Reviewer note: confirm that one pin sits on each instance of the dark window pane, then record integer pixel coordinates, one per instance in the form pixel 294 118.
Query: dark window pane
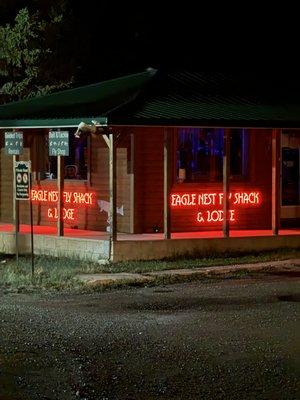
pixel 200 154
pixel 239 152
pixel 290 177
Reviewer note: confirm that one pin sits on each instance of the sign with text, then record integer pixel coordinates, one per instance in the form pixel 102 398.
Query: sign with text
pixel 208 206
pixel 13 143
pixel 58 143
pixel 22 180
pixel 72 200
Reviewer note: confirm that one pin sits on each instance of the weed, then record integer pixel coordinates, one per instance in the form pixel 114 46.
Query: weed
pixel 61 273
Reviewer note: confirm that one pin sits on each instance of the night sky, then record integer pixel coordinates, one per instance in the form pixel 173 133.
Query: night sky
pixel 105 39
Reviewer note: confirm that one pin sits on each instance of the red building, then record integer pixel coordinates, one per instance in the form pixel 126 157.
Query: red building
pixel 209 160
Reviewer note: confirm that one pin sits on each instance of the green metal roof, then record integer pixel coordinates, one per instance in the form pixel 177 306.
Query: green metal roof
pixel 215 99
pixel 173 99
pixel 70 107
pixel 50 122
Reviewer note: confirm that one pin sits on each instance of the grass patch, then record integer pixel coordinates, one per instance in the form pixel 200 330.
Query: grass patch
pixel 50 272
pixel 196 261
pixel 60 273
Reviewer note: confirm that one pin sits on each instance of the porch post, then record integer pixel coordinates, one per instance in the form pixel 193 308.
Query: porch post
pixel 112 189
pixel 167 183
pixel 132 183
pixel 60 200
pixel 226 174
pixel 276 136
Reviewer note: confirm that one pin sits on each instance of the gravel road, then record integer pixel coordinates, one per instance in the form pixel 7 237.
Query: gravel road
pixel 221 339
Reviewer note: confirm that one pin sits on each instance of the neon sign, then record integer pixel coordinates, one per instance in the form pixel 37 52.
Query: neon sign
pixel 51 196
pixel 69 214
pixel 206 204
pixel 71 199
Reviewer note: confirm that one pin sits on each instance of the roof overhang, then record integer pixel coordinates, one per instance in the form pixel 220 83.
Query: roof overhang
pixel 51 123
pixel 70 107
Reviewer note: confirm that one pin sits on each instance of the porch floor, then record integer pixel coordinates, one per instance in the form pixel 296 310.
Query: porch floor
pixel 96 235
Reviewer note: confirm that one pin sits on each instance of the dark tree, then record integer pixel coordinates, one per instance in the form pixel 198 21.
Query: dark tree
pixel 31 61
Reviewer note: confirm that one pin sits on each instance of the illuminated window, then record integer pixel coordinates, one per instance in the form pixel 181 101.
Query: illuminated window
pixel 200 154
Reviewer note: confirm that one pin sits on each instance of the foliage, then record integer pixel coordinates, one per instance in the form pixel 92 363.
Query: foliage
pixel 61 273
pixel 50 272
pixel 26 57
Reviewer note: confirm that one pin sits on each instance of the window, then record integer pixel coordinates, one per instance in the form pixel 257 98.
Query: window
pixel 200 154
pixel 76 164
pixel 290 177
pixel 239 145
pixel 291 168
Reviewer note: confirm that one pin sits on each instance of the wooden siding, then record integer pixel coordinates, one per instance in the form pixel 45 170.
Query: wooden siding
pixel 148 179
pixel 90 218
pixel 149 186
pixel 6 187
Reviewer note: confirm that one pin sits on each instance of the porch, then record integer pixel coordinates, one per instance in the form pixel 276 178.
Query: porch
pixel 96 246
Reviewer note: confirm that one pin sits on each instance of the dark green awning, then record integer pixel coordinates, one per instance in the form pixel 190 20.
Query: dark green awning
pixel 50 123
pixel 155 98
pixel 242 99
pixel 70 107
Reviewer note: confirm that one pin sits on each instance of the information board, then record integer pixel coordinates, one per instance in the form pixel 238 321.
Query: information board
pixel 58 143
pixel 13 143
pixel 22 180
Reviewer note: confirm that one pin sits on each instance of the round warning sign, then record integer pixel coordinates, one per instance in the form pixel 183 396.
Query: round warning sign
pixel 25 177
pixel 19 178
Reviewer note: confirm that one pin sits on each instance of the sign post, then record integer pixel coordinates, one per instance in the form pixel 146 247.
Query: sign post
pixel 22 175
pixel 60 188
pixel 14 147
pixel 31 229
pixel 59 146
pixel 16 214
